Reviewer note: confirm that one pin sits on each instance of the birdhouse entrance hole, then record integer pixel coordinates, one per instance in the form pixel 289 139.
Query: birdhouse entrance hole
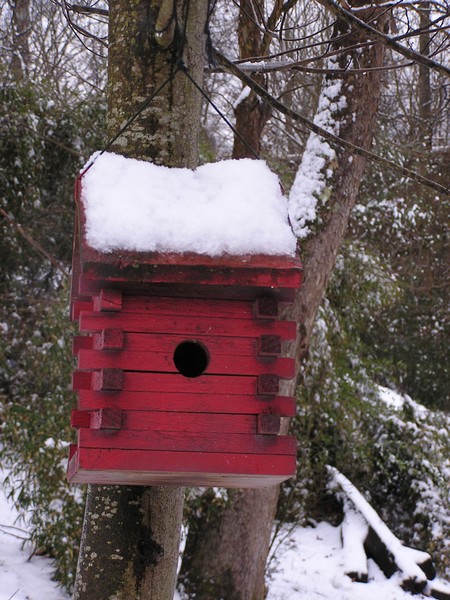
pixel 191 358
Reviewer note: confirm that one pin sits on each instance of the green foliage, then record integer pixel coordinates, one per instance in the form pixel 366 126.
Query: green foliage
pixel 41 148
pixel 40 153
pixel 35 426
pixel 399 455
pixel 408 227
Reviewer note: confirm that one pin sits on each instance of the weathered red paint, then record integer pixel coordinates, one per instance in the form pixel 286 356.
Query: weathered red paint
pixel 211 416
pixel 224 403
pixel 136 467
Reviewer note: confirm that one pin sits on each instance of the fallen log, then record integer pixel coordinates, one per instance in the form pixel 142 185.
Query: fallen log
pixel 365 535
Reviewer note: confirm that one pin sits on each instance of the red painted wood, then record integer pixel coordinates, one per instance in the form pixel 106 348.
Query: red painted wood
pixel 214 326
pixel 181 462
pixel 151 382
pixel 76 473
pixel 265 345
pixel 81 342
pixel 109 339
pixel 107 379
pixel 91 283
pixel 178 402
pixel 80 418
pixel 81 380
pixel 266 307
pixel 78 306
pixel 269 424
pixel 280 278
pixel 160 342
pixel 269 345
pixel 268 385
pixel 109 300
pixel 72 450
pixel 200 262
pixel 76 262
pixel 200 266
pixel 106 418
pixel 188 422
pixel 195 307
pixel 189 442
pixel 163 363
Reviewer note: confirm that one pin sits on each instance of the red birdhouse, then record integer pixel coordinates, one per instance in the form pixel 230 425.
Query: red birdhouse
pixel 179 366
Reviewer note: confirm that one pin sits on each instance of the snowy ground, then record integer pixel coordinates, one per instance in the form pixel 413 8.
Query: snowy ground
pixel 22 578
pixel 308 566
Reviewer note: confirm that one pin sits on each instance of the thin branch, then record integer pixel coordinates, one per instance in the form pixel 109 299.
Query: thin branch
pixel 90 10
pixel 334 140
pixel 79 31
pixel 270 66
pixel 15 535
pixel 351 19
pixel 53 141
pixel 34 243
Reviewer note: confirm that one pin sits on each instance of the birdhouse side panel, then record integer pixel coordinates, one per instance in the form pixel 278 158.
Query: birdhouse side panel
pixel 181 390
pixel 89 400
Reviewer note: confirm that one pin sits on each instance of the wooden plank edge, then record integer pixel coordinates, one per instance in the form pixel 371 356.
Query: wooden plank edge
pixel 77 474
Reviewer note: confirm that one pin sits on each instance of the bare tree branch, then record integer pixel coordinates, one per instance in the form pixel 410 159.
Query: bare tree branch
pixel 34 243
pixel 351 19
pixel 265 66
pixel 53 141
pixel 88 10
pixel 331 138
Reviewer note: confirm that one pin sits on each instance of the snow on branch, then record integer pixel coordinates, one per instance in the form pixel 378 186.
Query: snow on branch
pixel 409 53
pixel 365 535
pixel 332 139
pixel 310 185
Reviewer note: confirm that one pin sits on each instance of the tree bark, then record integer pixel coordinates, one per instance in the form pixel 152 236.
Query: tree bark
pixel 130 539
pixel 251 113
pixel 425 95
pixel 227 551
pixel 21 33
pixel 357 123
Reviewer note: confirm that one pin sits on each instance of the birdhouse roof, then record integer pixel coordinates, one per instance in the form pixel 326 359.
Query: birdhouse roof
pixel 233 207
pixel 221 226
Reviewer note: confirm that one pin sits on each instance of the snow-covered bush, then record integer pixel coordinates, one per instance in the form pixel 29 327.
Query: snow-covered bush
pixel 43 143
pixel 396 452
pixel 35 405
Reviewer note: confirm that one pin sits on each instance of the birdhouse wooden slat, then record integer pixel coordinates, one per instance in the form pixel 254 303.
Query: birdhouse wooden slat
pixel 179 363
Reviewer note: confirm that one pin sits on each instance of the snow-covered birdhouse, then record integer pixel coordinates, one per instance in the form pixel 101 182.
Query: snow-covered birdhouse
pixel 179 277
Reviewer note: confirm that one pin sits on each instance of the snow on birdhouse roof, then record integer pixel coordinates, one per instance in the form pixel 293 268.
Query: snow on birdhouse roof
pixel 231 207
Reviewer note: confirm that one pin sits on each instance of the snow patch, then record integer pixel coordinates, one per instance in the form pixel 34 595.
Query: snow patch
pixel 309 565
pixel 231 207
pixel 22 577
pixel 310 184
pixel 242 96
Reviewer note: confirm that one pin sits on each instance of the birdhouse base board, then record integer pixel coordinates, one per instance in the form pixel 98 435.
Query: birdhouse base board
pixel 112 467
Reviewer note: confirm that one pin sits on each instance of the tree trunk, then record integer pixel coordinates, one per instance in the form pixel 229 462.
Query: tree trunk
pixel 251 113
pixel 356 121
pixel 226 551
pixel 425 105
pixel 130 539
pixel 21 33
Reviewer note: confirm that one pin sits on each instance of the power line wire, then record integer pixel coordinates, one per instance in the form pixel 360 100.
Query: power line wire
pixel 141 108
